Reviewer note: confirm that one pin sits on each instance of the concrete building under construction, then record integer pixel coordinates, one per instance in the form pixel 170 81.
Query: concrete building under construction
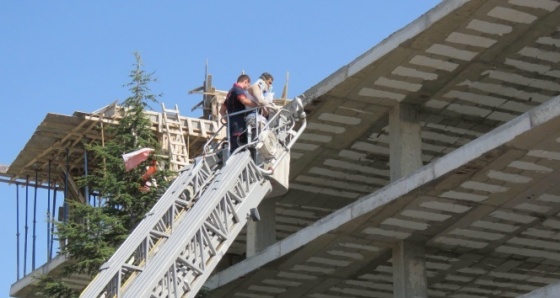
pixel 428 167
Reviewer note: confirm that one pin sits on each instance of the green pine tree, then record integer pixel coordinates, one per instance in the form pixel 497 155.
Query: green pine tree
pixel 93 233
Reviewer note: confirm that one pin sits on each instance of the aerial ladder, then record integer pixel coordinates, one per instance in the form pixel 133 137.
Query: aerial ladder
pixel 175 248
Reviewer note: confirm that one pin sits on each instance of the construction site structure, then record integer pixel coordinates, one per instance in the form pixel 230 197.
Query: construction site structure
pixel 55 156
pixel 429 168
pixel 228 186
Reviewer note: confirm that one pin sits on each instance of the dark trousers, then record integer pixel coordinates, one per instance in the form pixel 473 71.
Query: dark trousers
pixel 237 133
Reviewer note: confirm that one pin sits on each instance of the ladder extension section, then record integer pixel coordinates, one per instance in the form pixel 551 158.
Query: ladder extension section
pixel 177 147
pixel 193 251
pixel 160 223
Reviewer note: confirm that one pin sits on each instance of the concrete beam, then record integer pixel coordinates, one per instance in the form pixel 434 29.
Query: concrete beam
pixel 261 234
pixel 551 291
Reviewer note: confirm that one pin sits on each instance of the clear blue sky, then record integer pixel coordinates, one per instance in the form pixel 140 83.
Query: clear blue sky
pixel 65 56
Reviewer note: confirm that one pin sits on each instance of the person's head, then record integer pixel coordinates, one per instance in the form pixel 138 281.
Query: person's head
pixel 268 78
pixel 244 81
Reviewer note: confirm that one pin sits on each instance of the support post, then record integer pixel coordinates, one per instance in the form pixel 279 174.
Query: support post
pixel 34 237
pixel 86 188
pixel 17 231
pixel 405 141
pixel 409 270
pixel 409 266
pixel 261 234
pixel 66 174
pixel 26 226
pixel 49 219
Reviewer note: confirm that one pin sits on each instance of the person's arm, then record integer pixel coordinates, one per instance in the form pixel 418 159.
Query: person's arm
pixel 223 112
pixel 223 109
pixel 246 101
pixel 257 93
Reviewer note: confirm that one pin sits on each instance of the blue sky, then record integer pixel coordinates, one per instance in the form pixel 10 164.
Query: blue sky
pixel 65 56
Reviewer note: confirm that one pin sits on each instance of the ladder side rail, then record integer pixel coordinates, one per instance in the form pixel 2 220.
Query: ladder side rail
pixel 151 231
pixel 168 134
pixel 185 149
pixel 189 256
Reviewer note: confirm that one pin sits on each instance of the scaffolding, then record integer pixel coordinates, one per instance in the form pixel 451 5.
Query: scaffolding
pixel 55 155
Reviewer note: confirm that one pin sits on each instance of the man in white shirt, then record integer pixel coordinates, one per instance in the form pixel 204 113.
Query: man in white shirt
pixel 261 92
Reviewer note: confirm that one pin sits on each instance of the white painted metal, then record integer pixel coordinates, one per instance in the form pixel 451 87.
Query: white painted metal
pixel 160 223
pixel 194 250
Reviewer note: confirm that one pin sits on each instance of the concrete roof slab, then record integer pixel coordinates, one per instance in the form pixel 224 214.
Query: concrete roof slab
pixel 482 74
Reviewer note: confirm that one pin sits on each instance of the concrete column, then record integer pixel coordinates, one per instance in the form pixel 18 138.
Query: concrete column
pixel 261 234
pixel 405 141
pixel 409 266
pixel 409 270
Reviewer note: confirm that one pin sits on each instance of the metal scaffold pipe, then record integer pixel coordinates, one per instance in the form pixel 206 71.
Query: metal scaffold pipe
pixel 49 219
pixel 26 227
pixel 17 232
pixel 33 246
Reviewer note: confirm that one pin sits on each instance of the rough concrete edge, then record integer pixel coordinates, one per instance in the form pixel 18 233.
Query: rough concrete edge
pixel 383 48
pixel 550 291
pixel 31 277
pixel 492 140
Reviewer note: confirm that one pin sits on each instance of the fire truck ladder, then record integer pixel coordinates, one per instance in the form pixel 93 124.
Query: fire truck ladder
pixel 176 247
pixel 194 250
pixel 152 232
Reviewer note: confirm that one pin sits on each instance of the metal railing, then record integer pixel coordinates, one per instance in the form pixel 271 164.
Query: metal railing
pixel 282 124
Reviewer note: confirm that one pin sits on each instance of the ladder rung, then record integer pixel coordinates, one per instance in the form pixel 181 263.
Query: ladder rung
pixel 172 117
pixel 171 110
pixel 174 132
pixel 174 127
pixel 160 234
pixel 183 160
pixel 132 267
pixel 180 153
